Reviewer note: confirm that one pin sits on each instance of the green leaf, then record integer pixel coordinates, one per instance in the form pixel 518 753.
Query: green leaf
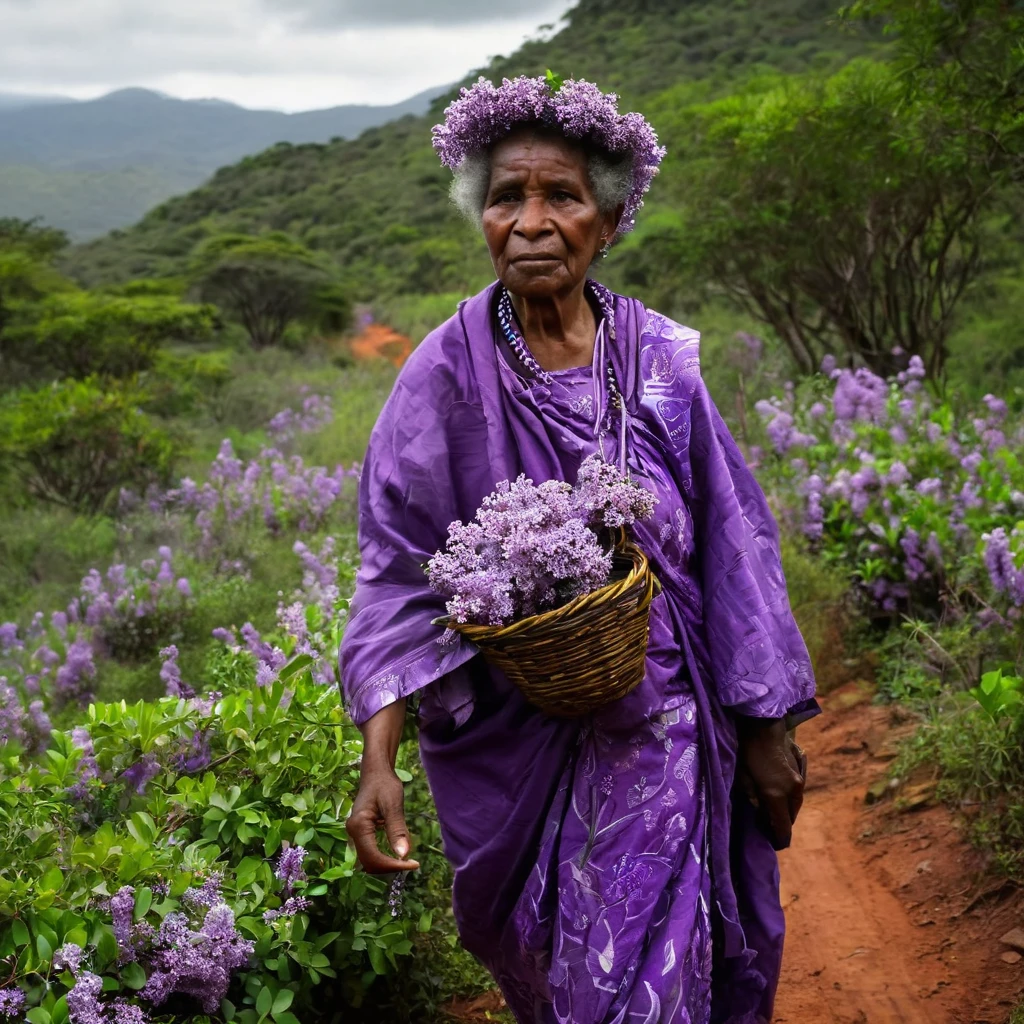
pixel 43 948
pixel 264 1001
pixel 227 1009
pixel 282 1001
pixel 403 775
pixel 286 1018
pixel 134 976
pixel 37 1015
pixel 143 901
pixel 59 1013
pixel 297 664
pixel 20 932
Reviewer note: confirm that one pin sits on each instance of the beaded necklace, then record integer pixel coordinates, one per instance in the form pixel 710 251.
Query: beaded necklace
pixel 606 330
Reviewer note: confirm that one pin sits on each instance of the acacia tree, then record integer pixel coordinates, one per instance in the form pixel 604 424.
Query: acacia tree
pixel 839 212
pixel 265 282
pixel 967 55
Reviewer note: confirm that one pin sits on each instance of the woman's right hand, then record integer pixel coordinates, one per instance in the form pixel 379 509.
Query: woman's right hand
pixel 380 803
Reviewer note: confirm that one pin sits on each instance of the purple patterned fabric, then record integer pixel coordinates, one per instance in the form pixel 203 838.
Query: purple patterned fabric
pixel 603 871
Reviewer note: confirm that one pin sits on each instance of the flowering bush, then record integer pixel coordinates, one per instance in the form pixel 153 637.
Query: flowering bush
pixel 535 547
pixel 188 856
pixel 918 503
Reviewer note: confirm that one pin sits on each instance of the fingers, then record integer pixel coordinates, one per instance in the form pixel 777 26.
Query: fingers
pixel 380 806
pixel 779 820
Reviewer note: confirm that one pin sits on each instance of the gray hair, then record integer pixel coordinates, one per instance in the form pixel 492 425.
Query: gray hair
pixel 610 178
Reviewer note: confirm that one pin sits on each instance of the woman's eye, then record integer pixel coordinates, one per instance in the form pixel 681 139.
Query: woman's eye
pixel 506 197
pixel 561 195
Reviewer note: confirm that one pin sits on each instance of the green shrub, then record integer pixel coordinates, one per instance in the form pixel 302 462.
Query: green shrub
pixel 166 796
pixel 79 334
pixel 76 443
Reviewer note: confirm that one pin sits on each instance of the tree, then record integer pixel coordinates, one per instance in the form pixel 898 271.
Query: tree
pixel 76 443
pixel 838 212
pixel 967 55
pixel 266 282
pixel 81 334
pixel 27 251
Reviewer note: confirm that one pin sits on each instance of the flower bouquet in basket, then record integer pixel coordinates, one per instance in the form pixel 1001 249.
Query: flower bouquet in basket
pixel 546 582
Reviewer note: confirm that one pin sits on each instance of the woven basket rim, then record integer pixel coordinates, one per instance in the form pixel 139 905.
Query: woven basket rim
pixel 636 575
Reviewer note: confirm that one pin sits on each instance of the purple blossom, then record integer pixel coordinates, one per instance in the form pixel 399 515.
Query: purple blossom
pixel 197 963
pixel 207 895
pixel 122 907
pixel 139 775
pixel 128 1013
pixel 9 638
pixel 289 866
pixel 1006 578
pixel 68 958
pixel 860 395
pixel 170 674
pixel 73 676
pixel 12 1002
pixel 485 113
pixel 84 1006
pixel 291 906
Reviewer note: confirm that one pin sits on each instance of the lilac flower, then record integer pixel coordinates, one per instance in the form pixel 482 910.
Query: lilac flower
pixel 291 906
pixel 289 866
pixel 197 963
pixel 609 499
pixel 225 636
pixel 914 564
pixel 485 113
pixel 83 1002
pixel 828 365
pixel 817 410
pixel 12 1003
pixel 68 958
pixel 122 907
pixel 1006 578
pixel 141 773
pixel 896 475
pixel 207 895
pixel 9 638
pixel 195 755
pixel 996 408
pixel 72 677
pixel 88 769
pixel 860 395
pixel 128 1013
pixel 12 714
pixel 170 674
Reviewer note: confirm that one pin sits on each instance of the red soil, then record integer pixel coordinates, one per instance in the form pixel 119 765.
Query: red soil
pixel 891 916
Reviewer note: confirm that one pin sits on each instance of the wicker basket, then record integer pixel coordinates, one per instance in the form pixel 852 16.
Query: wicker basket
pixel 577 658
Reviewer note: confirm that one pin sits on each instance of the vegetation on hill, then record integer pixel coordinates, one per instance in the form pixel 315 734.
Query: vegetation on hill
pixel 90 167
pixel 379 204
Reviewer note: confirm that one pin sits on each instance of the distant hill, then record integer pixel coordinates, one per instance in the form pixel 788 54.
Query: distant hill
pixel 379 204
pixel 96 165
pixel 15 100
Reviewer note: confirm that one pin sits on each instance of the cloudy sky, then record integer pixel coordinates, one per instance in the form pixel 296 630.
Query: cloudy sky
pixel 282 54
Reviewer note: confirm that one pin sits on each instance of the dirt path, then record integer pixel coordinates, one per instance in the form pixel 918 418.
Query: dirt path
pixel 884 915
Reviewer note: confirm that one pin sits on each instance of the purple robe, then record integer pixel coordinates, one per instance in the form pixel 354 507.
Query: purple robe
pixel 604 872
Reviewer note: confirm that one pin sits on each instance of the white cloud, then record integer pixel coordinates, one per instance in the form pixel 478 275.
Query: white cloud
pixel 285 54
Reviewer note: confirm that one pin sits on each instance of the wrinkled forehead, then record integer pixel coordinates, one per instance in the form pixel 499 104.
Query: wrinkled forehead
pixel 535 150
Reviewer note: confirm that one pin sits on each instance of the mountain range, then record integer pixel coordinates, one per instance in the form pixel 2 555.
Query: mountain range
pixel 92 166
pixel 378 204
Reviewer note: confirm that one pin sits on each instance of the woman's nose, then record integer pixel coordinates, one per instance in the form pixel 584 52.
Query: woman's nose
pixel 533 218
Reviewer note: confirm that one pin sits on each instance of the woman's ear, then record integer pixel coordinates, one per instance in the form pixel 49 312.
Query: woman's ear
pixel 614 218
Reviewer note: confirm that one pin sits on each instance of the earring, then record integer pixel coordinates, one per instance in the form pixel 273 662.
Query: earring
pixel 606 248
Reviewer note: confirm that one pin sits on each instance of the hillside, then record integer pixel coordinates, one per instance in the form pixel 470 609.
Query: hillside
pixel 89 167
pixel 379 203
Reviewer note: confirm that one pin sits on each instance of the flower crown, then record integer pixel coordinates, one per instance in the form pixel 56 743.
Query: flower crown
pixel 485 113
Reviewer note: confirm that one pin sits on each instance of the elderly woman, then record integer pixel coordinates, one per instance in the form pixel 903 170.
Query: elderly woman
pixel 619 867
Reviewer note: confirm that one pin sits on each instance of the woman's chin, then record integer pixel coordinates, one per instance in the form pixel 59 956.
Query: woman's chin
pixel 538 280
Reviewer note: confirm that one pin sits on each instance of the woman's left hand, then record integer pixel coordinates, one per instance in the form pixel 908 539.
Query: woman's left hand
pixel 770 772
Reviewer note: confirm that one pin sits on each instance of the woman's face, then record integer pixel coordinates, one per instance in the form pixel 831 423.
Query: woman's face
pixel 541 220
